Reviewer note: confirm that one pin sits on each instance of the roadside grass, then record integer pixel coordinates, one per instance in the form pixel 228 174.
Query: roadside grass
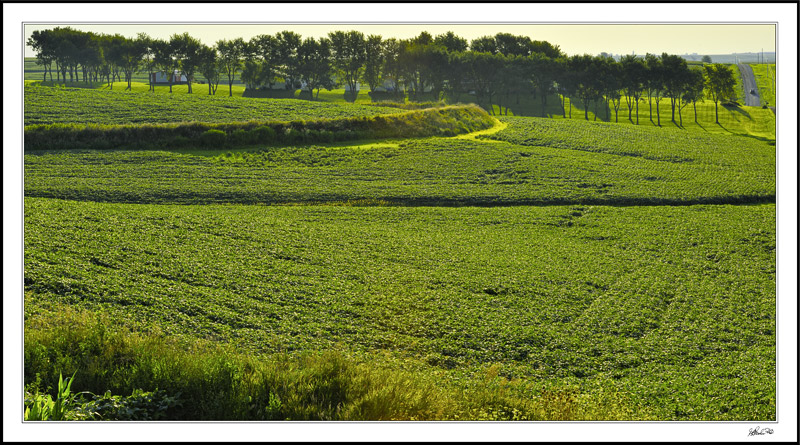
pixel 765 79
pixel 213 381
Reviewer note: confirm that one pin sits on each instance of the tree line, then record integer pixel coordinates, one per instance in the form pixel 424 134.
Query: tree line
pixel 497 69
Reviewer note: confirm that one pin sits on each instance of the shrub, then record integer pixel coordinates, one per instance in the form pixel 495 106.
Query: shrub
pixel 264 134
pixel 213 138
pixel 244 137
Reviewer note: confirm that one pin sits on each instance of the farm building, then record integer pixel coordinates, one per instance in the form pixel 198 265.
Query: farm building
pixel 162 78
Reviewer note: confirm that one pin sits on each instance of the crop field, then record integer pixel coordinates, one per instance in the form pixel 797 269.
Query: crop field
pixel 542 269
pixel 47 105
pixel 665 300
pixel 546 162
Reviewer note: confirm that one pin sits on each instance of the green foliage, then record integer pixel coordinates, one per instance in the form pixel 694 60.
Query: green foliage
pixel 43 407
pixel 140 405
pixel 218 383
pixel 216 138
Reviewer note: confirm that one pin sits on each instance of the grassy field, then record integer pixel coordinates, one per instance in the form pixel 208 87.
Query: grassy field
pixel 765 79
pixel 544 269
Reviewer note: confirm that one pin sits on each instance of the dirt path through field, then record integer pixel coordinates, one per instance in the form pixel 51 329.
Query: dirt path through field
pixel 749 84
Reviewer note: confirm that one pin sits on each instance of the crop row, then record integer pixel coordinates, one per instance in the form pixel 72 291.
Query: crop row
pixel 49 105
pixel 433 171
pixel 675 303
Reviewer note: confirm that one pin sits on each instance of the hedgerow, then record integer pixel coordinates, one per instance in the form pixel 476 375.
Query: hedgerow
pixel 446 121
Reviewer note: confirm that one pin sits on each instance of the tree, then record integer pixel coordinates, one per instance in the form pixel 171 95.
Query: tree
pixel 546 48
pixel 720 84
pixel 187 52
pixel 484 72
pixel 393 50
pixel 609 76
pixel 164 60
pixel 585 80
pixel 131 53
pixel 373 61
pixel 706 59
pixel 266 46
pixel 485 44
pixel 634 77
pixel 315 64
pixel 456 75
pixel 286 45
pixel 230 57
pixel 451 42
pixel 252 69
pixel 694 90
pixel 654 83
pixel 676 76
pixel 564 83
pixel 348 56
pixel 209 68
pixel 148 61
pixel 43 42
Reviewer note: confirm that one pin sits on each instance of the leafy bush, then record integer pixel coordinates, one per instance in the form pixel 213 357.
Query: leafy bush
pixel 213 138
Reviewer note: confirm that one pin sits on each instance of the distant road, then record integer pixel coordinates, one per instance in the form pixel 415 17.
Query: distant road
pixel 749 84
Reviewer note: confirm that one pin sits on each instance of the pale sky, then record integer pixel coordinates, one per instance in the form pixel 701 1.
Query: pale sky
pixel 572 38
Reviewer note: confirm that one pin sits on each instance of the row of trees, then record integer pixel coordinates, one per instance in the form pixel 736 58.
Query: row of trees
pixel 496 69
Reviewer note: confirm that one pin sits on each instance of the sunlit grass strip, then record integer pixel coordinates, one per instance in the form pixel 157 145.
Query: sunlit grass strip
pixel 444 121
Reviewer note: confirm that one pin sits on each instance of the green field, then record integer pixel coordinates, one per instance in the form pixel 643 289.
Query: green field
pixel 568 162
pixel 543 269
pixel 660 299
pixel 765 79
pixel 46 105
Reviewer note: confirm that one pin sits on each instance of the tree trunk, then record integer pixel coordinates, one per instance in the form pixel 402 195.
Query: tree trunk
pixel 672 102
pixel 650 102
pixel 658 113
pixel 637 111
pixel 209 88
pixel 716 113
pixel 694 105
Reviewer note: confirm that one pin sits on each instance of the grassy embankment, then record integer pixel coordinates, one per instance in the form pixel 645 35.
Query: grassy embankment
pixel 765 79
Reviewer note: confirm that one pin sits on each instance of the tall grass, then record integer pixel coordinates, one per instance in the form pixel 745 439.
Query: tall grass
pixel 442 121
pixel 214 382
